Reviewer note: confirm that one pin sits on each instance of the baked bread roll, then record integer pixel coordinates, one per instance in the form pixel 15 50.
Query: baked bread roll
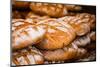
pixel 56 36
pixel 67 53
pixel 27 56
pixel 53 10
pixel 81 22
pixel 70 25
pixel 25 34
pixel 73 51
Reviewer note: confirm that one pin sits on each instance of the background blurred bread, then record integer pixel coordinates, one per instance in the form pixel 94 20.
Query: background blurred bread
pixel 53 10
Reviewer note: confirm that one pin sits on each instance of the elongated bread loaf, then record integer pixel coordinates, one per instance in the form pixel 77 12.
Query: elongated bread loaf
pixel 29 55
pixel 53 10
pixel 25 34
pixel 81 22
pixel 57 35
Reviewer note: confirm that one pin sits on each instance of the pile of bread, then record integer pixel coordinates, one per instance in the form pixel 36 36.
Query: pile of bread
pixel 46 33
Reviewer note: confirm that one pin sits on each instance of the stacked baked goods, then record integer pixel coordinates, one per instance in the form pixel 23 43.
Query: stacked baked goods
pixel 46 33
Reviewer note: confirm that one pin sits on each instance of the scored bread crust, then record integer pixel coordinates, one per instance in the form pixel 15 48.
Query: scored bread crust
pixel 56 36
pixel 29 55
pixel 25 34
pixel 81 22
pixel 53 10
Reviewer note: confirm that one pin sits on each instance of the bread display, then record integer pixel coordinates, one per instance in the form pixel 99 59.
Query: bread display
pixel 49 33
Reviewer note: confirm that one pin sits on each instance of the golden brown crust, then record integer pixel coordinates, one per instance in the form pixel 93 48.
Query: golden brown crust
pixel 25 34
pixel 34 18
pixel 81 22
pixel 57 36
pixel 73 51
pixel 27 56
pixel 66 53
pixel 53 10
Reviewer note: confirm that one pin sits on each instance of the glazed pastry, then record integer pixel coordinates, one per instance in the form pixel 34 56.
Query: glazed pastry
pixel 81 22
pixel 25 34
pixel 53 10
pixel 57 36
pixel 29 55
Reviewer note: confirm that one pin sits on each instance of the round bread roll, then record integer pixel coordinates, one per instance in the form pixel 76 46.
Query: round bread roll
pixel 27 56
pixel 25 34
